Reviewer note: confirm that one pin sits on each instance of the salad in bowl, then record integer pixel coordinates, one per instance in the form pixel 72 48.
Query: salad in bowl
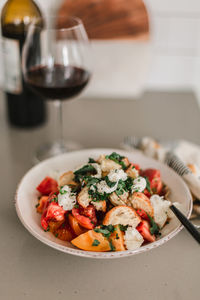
pixel 106 204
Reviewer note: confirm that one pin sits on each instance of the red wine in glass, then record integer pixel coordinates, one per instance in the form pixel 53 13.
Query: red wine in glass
pixel 56 64
pixel 57 82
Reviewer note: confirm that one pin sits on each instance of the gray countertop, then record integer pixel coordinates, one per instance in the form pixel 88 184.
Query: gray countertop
pixel 32 270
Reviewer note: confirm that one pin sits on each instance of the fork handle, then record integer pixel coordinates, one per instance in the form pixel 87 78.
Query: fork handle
pixel 186 223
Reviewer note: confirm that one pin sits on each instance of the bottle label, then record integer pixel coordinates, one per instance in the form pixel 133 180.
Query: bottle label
pixel 12 66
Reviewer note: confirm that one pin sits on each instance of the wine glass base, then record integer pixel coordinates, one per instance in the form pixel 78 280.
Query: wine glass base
pixel 53 149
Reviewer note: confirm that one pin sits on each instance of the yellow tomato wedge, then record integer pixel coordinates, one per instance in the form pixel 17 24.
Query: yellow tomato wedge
pixel 95 241
pixel 54 225
pixel 92 241
pixel 64 234
pixel 117 238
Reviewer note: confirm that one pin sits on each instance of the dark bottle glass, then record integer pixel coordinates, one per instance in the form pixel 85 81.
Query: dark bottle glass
pixel 25 108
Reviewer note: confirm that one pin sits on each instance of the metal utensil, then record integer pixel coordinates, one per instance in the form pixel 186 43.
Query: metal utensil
pixel 186 223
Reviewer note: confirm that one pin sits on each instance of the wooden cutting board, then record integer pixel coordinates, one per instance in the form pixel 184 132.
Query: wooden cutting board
pixel 110 19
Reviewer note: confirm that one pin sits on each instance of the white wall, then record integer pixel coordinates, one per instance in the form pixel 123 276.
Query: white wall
pixel 175 41
pixel 176 38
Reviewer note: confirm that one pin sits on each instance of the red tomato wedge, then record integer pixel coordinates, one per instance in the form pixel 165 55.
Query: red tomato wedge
pixel 86 217
pixel 64 233
pixel 155 181
pixel 144 230
pixel 47 186
pixel 151 173
pixel 89 212
pixel 142 214
pixel 52 212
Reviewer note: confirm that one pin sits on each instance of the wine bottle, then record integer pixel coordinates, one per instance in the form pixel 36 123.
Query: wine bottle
pixel 24 107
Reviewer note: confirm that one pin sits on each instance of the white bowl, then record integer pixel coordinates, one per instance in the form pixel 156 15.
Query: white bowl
pixel 26 199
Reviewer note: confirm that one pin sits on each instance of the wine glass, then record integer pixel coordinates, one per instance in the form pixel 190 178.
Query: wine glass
pixel 56 64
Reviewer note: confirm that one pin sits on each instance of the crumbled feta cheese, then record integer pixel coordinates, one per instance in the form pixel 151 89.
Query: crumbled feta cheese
pixel 139 184
pixel 113 176
pixel 102 187
pixel 116 175
pixel 98 169
pixel 92 188
pixel 161 209
pixel 66 198
pixel 132 238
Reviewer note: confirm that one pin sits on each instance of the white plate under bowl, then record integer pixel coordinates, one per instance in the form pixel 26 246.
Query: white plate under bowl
pixel 26 199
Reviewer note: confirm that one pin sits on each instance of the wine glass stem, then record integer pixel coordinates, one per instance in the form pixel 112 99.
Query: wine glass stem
pixel 59 125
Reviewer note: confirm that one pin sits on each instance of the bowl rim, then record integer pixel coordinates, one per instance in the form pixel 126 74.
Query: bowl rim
pixel 93 254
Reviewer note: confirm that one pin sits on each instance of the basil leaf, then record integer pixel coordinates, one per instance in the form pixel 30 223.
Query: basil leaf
pixel 129 184
pixel 121 187
pixel 106 230
pixel 148 186
pixel 115 155
pixel 109 183
pixel 91 161
pixel 154 229
pixel 97 196
pixel 74 188
pixel 112 247
pixel 110 227
pixel 123 227
pixel 91 180
pixel 62 192
pixel 117 158
pixel 117 236
pixel 85 170
pixel 95 243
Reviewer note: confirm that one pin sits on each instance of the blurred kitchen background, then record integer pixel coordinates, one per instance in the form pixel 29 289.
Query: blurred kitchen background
pixel 160 68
